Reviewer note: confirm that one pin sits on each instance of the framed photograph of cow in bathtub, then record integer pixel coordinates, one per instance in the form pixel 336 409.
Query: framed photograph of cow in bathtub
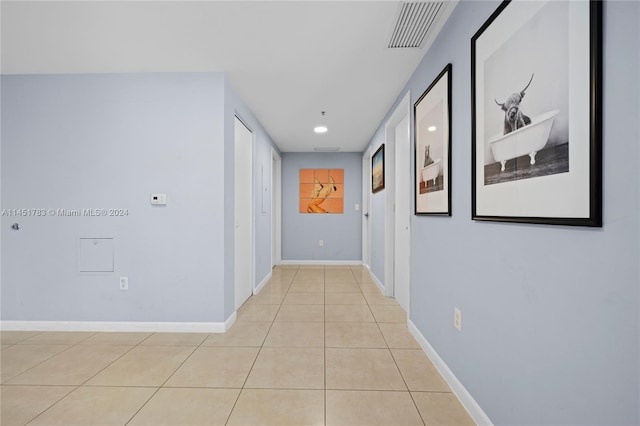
pixel 432 121
pixel 536 96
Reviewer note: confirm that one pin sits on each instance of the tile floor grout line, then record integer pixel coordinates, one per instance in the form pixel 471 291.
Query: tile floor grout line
pixel 13 343
pixel 258 354
pixel 324 325
pixel 35 385
pixel 38 364
pixel 142 406
pixel 416 405
pixel 88 337
pixel 109 364
pixel 397 367
pixel 117 386
pixel 366 303
pixel 277 389
pixel 233 406
pixel 51 406
pixel 75 387
pixel 404 381
pixel 27 338
pixel 146 338
pixel 163 383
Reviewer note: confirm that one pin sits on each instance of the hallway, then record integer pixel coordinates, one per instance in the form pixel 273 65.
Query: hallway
pixel 318 345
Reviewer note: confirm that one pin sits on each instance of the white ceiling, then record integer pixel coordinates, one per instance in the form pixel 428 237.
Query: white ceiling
pixel 289 60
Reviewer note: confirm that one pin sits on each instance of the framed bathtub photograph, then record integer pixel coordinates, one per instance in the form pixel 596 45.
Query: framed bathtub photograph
pixel 377 170
pixel 432 132
pixel 536 96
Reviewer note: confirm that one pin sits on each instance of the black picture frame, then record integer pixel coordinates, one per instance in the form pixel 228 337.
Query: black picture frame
pixel 432 147
pixel 541 165
pixel 377 170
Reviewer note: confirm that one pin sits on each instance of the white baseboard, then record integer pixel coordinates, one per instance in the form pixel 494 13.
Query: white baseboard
pixel 467 401
pixel 112 326
pixel 262 283
pixel 229 322
pixel 321 262
pixel 376 280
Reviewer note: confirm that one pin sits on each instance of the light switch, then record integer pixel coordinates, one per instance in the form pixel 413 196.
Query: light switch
pixel 159 199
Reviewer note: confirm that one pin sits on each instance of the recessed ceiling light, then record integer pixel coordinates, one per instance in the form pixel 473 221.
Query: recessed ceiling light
pixel 432 128
pixel 320 129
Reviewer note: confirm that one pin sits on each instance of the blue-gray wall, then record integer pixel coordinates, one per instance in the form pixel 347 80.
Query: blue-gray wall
pixel 550 332
pixel 108 141
pixel 301 232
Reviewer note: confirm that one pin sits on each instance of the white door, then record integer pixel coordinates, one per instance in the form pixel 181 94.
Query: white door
pixel 243 204
pixel 366 190
pixel 402 213
pixel 397 205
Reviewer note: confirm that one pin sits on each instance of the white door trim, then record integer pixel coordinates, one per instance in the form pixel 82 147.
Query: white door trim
pixel 389 207
pixel 402 236
pixel 276 208
pixel 366 208
pixel 402 110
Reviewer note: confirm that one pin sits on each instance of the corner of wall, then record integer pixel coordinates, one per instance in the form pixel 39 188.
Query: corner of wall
pixel 229 211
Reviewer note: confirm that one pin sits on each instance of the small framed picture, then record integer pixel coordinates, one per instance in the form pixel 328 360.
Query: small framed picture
pixel 377 170
pixel 536 88
pixel 432 120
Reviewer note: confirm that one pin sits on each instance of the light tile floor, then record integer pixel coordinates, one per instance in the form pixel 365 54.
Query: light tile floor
pixel 318 345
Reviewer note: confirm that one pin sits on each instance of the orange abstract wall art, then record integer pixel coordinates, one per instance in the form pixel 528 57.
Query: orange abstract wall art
pixel 322 191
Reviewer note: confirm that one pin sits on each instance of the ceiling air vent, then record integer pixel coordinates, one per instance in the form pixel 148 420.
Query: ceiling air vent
pixel 414 22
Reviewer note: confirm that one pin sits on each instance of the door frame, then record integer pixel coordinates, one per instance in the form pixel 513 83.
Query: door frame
pixel 276 208
pixel 366 208
pixel 402 110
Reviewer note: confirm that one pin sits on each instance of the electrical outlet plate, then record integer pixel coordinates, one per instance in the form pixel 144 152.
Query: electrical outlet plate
pixel 124 283
pixel 321 243
pixel 457 319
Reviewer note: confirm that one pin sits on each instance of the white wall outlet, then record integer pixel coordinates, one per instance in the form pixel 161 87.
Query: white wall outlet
pixel 457 319
pixel 159 199
pixel 321 243
pixel 357 207
pixel 124 283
